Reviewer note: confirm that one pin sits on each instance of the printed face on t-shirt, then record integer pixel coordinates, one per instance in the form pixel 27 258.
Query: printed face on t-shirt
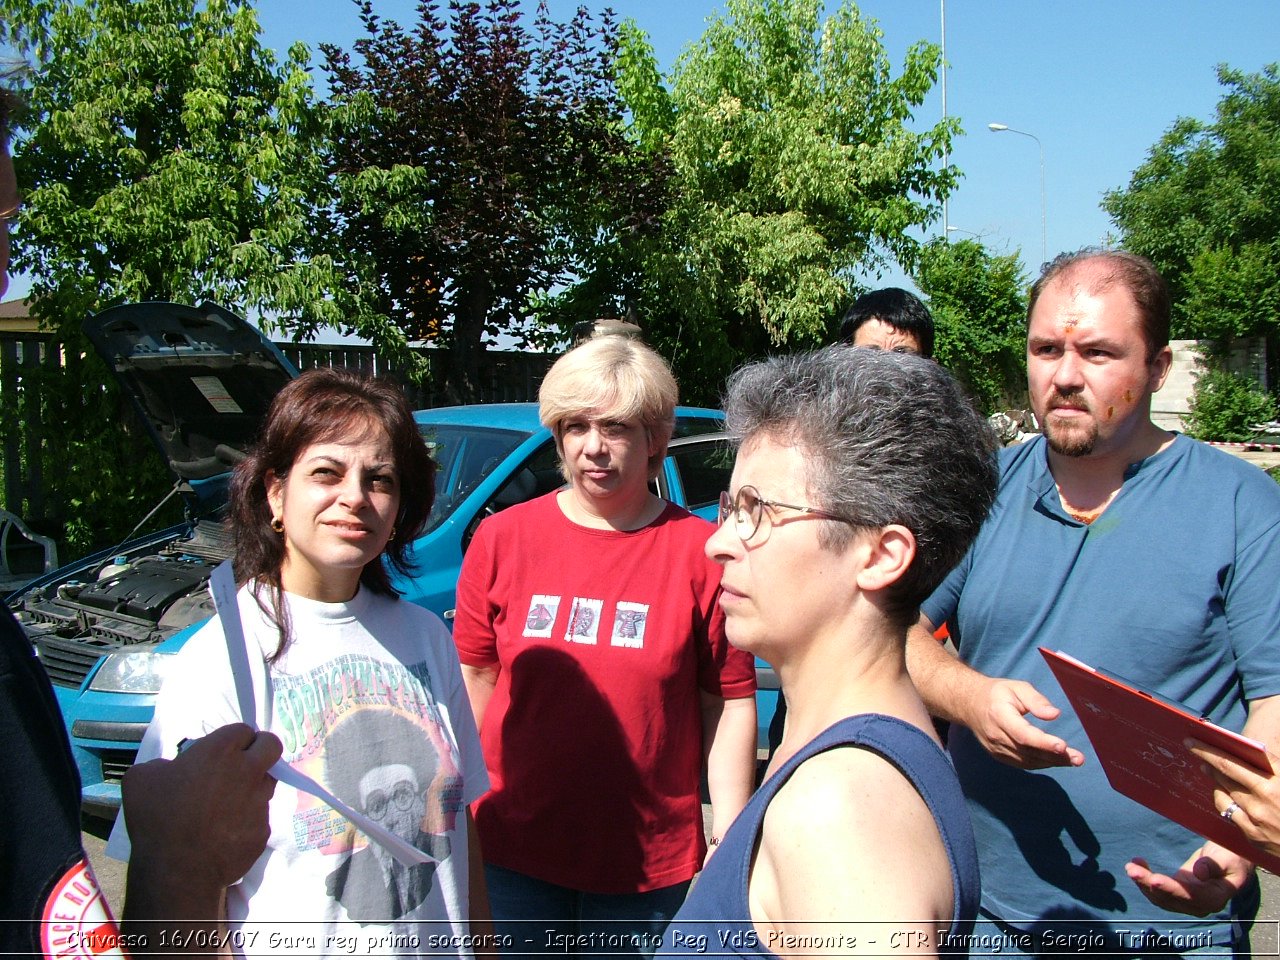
pixel 391 795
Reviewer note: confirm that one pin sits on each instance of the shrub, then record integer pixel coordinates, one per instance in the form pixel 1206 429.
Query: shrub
pixel 1226 406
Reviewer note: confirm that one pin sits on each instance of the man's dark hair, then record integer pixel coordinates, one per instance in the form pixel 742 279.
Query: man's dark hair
pixel 1135 273
pixel 898 308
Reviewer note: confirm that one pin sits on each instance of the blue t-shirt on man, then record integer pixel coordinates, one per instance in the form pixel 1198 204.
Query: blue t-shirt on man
pixel 1176 587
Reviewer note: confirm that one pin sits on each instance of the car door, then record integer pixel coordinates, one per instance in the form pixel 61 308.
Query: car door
pixel 697 469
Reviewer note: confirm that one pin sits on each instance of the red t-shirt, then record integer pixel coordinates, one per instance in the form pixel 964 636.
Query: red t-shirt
pixel 593 737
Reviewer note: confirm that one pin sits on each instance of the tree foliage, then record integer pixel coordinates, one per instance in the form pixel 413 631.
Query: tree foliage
pixel 795 167
pixel 979 305
pixel 1205 207
pixel 483 168
pixel 167 155
pixel 1227 406
pixel 164 155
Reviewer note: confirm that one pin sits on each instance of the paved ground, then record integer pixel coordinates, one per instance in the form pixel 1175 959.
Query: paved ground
pixel 110 873
pixel 1266 459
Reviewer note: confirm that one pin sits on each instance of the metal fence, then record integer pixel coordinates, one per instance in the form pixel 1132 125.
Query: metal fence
pixel 506 378
pixel 21 356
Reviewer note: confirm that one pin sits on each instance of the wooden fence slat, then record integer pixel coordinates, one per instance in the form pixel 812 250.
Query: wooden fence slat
pixel 12 452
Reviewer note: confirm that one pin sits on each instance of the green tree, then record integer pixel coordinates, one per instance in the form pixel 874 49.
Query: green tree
pixel 1227 406
pixel 796 166
pixel 1205 207
pixel 164 155
pixel 483 166
pixel 979 305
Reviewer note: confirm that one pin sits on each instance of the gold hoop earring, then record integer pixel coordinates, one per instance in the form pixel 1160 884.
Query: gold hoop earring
pixel 393 535
pixel 277 525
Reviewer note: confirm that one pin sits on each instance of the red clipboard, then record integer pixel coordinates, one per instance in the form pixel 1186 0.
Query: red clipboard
pixel 1138 737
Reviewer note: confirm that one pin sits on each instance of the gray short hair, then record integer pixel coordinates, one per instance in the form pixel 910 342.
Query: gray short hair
pixel 888 438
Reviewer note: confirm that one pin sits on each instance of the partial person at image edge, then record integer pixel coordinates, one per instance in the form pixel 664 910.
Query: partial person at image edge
pixel 1134 549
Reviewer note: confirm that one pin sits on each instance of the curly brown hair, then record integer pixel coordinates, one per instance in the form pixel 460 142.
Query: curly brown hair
pixel 321 406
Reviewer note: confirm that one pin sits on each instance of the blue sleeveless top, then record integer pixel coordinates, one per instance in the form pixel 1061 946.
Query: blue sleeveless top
pixel 716 917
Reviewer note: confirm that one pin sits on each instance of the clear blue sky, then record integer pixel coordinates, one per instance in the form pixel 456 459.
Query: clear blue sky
pixel 1098 81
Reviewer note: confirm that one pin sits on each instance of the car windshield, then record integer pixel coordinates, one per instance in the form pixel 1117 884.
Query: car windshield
pixel 695 426
pixel 464 455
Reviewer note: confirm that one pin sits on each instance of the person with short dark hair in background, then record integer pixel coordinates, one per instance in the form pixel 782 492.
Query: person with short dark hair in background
pixel 889 319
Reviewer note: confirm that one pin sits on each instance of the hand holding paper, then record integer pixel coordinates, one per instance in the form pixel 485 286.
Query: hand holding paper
pixel 1256 793
pixel 198 822
pixel 1141 740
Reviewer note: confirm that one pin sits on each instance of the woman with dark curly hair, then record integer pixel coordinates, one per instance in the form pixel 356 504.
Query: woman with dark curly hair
pixel 363 689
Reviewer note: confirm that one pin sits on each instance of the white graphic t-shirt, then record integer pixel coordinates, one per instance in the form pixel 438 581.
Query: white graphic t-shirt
pixel 368 701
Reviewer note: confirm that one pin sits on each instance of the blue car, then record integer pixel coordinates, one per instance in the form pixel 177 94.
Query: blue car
pixel 106 626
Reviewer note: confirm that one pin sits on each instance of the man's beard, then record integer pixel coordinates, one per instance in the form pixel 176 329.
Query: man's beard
pixel 1070 441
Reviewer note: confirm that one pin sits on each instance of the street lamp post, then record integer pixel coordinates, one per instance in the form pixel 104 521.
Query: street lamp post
pixel 1005 128
pixel 954 229
pixel 946 149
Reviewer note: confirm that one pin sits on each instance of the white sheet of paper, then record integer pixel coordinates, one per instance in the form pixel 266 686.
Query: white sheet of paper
pixel 223 587
pixel 402 850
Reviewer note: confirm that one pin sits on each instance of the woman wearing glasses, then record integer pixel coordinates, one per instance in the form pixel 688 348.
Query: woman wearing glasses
pixel 594 653
pixel 363 689
pixel 838 522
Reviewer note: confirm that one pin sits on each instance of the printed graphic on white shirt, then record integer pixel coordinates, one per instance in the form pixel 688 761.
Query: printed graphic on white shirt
pixel 542 615
pixel 628 624
pixel 584 620
pixel 372 732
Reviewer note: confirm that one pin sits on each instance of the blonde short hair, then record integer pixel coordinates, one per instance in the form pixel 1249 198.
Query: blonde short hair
pixel 616 378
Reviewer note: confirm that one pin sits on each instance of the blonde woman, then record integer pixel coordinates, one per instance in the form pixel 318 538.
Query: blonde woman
pixel 594 653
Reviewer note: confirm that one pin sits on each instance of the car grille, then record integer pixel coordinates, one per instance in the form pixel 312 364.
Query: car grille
pixel 68 662
pixel 115 763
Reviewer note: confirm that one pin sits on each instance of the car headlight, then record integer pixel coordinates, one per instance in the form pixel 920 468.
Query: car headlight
pixel 141 672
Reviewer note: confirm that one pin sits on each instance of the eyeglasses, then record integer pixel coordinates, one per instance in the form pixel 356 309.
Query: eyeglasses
pixel 402 794
pixel 10 216
pixel 747 510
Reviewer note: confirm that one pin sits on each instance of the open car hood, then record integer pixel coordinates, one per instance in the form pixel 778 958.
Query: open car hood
pixel 201 379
